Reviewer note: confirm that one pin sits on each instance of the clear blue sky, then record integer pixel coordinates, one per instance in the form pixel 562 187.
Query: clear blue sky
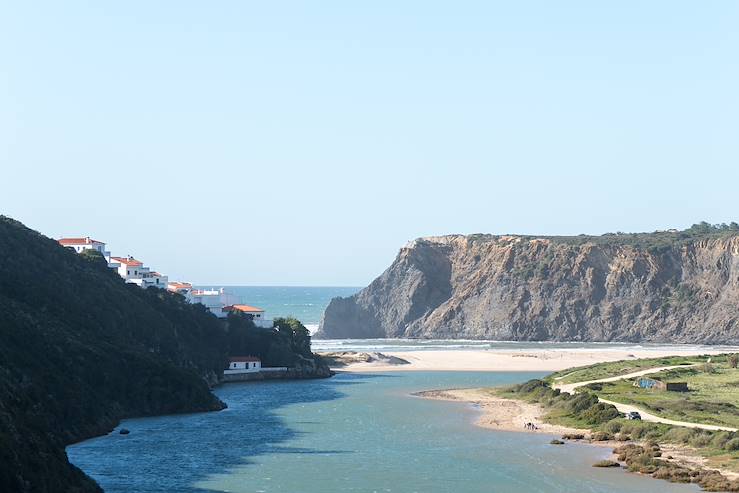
pixel 305 142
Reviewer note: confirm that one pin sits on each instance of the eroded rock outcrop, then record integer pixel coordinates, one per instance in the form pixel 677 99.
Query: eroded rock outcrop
pixel 667 287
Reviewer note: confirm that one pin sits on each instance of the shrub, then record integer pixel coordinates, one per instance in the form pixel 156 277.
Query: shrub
pixel 720 440
pixel 613 426
pixel 573 436
pixel 606 463
pixel 600 413
pixel 679 435
pixel 700 440
pixel 732 445
pixel 600 436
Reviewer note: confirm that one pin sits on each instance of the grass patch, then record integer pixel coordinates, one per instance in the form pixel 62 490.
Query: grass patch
pixel 622 367
pixel 712 398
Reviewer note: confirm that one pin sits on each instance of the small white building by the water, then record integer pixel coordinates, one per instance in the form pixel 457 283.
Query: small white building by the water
pixel 243 364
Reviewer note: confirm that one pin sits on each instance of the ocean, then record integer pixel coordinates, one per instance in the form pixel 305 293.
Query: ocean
pixel 350 433
pixel 304 303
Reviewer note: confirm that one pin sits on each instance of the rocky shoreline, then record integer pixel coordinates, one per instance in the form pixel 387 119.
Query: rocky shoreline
pixel 661 461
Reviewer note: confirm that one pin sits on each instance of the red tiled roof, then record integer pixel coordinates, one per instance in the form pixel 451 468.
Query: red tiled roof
pixel 244 359
pixel 78 241
pixel 243 308
pixel 179 285
pixel 128 261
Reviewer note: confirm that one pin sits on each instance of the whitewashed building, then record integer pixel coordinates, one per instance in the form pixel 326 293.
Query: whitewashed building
pixel 81 244
pixel 214 300
pixel 183 288
pixel 257 314
pixel 243 364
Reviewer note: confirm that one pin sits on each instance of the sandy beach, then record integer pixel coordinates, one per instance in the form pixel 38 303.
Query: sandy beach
pixel 499 413
pixel 512 360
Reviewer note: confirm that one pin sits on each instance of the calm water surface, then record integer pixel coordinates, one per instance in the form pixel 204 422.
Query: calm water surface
pixel 351 433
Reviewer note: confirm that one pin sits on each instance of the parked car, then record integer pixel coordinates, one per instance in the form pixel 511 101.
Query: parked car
pixel 633 415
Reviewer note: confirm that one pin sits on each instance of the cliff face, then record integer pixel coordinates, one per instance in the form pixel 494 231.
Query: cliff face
pixel 666 288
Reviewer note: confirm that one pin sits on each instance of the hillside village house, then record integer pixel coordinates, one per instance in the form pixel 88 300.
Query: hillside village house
pixel 133 271
pixel 243 364
pixel 79 245
pixel 257 314
pixel 183 288
pixel 214 300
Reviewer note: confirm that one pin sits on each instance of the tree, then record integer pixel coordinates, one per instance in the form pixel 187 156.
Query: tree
pixel 733 360
pixel 297 332
pixel 94 256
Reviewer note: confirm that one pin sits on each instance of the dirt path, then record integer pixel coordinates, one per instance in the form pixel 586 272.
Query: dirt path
pixel 626 408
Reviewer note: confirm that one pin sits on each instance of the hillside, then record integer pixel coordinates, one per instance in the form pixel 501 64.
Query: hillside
pixel 672 286
pixel 80 350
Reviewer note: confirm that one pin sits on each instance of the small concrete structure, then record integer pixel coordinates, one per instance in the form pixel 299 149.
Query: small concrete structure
pixel 651 383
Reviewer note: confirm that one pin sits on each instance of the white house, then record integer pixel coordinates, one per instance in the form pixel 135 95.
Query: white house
pixel 243 364
pixel 154 279
pixel 130 269
pixel 214 300
pixel 79 245
pixel 257 314
pixel 183 288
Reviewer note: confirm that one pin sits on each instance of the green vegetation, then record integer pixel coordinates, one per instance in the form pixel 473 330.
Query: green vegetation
pixel 287 344
pixel 713 397
pixel 655 243
pixel 606 463
pixel 582 410
pixel 658 241
pixel 623 367
pixel 80 350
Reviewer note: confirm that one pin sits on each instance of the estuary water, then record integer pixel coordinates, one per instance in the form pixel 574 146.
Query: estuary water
pixel 350 433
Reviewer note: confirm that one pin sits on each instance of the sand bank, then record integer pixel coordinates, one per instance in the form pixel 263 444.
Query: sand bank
pixel 512 360
pixel 499 413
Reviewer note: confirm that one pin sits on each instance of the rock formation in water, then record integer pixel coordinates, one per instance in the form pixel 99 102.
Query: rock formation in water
pixel 671 286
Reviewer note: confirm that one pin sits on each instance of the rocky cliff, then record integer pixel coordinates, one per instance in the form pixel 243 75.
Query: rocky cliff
pixel 676 286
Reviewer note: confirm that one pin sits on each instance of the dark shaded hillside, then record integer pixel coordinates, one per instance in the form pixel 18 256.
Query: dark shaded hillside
pixel 80 350
pixel 667 286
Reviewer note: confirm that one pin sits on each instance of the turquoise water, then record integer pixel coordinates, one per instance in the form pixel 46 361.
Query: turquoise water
pixel 351 433
pixel 303 302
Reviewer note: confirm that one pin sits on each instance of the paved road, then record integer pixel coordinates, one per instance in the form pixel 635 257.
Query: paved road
pixel 626 408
